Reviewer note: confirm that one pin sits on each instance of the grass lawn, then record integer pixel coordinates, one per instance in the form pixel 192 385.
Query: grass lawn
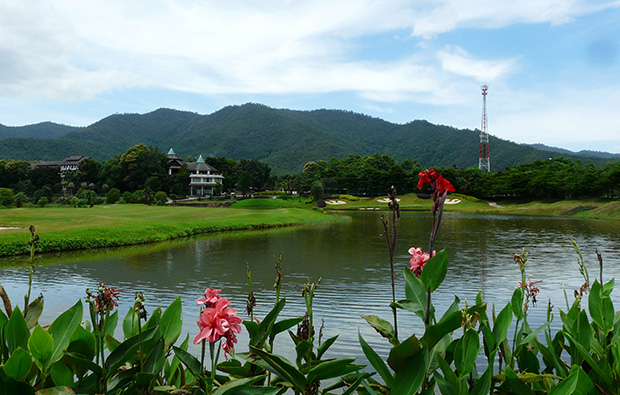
pixel 67 228
pixel 583 208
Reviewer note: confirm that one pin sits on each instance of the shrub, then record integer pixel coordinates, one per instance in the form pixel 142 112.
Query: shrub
pixel 45 191
pixel 75 201
pixel 20 198
pixel 43 201
pixel 6 197
pixel 350 198
pixel 160 198
pixel 128 197
pixel 173 196
pixel 113 196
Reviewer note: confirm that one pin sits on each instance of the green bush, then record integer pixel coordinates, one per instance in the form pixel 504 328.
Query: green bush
pixel 128 197
pixel 20 199
pixel 113 196
pixel 161 198
pixel 43 201
pixel 350 198
pixel 6 197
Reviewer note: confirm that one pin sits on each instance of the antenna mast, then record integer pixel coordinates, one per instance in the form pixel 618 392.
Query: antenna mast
pixel 484 162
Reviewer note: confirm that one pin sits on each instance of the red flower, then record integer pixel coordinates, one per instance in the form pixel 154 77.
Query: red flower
pixel 211 296
pixel 444 185
pixel 437 182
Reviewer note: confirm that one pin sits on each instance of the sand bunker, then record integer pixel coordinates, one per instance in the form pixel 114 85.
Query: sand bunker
pixel 8 227
pixel 335 202
pixel 452 201
pixel 386 200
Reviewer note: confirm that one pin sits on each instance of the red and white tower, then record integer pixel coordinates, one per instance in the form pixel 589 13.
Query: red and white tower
pixel 484 161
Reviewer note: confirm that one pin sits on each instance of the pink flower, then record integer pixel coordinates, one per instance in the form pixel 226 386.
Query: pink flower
pixel 218 321
pixel 418 259
pixel 211 296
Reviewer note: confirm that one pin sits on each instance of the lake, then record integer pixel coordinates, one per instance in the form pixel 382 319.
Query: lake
pixel 351 258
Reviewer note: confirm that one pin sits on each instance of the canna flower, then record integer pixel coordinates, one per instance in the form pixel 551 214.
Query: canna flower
pixel 436 181
pixel 218 321
pixel 531 290
pixel 211 296
pixel 418 259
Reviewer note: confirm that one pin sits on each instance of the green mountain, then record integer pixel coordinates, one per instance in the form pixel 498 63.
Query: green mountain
pixel 286 139
pixel 43 130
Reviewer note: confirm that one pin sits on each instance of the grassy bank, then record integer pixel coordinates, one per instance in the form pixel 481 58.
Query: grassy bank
pixel 64 228
pixel 582 208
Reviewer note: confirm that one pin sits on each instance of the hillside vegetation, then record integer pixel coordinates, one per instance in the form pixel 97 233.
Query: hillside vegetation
pixel 285 139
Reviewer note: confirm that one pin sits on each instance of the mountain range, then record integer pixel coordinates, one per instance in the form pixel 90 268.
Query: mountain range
pixel 285 139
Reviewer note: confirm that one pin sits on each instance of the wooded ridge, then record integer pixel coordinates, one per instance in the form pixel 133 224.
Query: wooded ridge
pixel 285 139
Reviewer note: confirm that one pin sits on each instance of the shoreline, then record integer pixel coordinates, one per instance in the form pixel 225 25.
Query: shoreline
pixel 70 229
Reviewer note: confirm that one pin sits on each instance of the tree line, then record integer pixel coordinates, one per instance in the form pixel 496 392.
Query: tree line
pixel 140 173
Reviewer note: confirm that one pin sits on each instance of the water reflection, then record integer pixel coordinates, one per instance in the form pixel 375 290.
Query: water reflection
pixel 350 257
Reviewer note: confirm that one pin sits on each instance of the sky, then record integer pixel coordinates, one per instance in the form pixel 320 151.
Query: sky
pixel 552 66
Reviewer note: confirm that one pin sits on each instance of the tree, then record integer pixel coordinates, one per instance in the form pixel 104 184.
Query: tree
pixel 6 197
pixel 317 190
pixel 20 198
pixel 113 196
pixel 245 181
pixel 88 171
pixel 42 201
pixel 141 162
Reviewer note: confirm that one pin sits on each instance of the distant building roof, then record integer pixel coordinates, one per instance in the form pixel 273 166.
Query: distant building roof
pixel 71 160
pixel 171 152
pixel 200 159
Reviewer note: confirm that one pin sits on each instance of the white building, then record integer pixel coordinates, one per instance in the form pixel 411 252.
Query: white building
pixel 203 178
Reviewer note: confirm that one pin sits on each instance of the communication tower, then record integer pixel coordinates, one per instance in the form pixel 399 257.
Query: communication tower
pixel 484 161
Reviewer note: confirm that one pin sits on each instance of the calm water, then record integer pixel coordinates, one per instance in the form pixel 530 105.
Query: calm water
pixel 350 257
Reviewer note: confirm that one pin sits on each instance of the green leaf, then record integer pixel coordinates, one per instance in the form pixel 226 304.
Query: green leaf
pixel 284 369
pixel 62 329
pixel 130 323
pixel 41 346
pixel 517 303
pixel 188 360
pixel 35 308
pixel 155 361
pixel 501 324
pixel 416 294
pixel 127 349
pixel 110 324
pixel 483 385
pixel 568 385
pixel 234 386
pixel 528 339
pixel 303 350
pixel 265 326
pixel 61 374
pixel 609 287
pixel 515 384
pixel 434 271
pixel 409 379
pixel 18 365
pixel 376 361
pixel 466 352
pixel 282 326
pixel 171 322
pixel 403 351
pixel 434 333
pixel 384 328
pixel 16 331
pixel 325 346
pixel 330 369
pixel 82 343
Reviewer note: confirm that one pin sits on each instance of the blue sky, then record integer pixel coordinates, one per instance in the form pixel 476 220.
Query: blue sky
pixel 552 66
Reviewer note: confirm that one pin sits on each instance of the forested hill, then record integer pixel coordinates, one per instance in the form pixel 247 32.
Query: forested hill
pixel 43 130
pixel 285 139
